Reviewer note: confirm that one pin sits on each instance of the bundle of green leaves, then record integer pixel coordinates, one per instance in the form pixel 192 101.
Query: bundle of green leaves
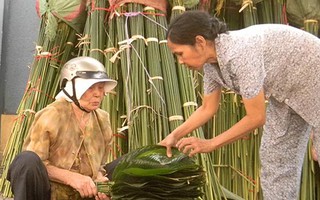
pixel 147 173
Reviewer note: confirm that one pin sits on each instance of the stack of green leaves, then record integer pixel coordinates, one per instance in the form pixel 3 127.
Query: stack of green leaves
pixel 147 173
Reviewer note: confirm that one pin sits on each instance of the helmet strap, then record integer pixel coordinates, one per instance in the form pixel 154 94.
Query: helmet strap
pixel 74 96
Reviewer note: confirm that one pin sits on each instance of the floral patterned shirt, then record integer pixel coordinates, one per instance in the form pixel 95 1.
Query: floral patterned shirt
pixel 56 138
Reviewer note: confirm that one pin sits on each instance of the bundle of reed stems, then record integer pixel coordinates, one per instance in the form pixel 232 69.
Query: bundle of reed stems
pixel 43 84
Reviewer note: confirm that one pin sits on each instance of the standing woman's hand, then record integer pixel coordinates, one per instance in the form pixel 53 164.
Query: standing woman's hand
pixel 198 118
pixel 169 141
pixel 194 145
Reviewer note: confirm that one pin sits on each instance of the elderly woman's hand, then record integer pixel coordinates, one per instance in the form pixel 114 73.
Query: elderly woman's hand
pixel 100 195
pixel 83 184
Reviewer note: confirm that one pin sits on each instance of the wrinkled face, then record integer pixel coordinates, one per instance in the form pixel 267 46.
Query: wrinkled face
pixel 93 97
pixel 191 56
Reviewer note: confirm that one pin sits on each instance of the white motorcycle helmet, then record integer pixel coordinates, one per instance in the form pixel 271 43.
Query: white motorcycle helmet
pixel 78 75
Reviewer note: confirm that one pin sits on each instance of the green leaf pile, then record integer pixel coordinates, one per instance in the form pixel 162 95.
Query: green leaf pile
pixel 147 173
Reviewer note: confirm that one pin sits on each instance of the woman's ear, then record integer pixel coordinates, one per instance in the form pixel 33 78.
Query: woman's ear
pixel 200 41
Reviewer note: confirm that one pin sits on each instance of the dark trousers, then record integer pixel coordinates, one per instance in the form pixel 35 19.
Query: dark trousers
pixel 28 177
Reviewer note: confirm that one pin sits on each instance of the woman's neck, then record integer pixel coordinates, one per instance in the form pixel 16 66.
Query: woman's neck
pixel 81 116
pixel 212 53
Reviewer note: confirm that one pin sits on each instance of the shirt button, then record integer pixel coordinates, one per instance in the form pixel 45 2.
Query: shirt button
pixel 286 101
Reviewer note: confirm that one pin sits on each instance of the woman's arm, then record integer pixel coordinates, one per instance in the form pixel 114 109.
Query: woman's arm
pixel 255 117
pixel 203 114
pixel 209 107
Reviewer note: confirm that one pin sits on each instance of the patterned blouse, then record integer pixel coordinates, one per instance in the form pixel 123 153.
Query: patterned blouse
pixel 57 139
pixel 282 60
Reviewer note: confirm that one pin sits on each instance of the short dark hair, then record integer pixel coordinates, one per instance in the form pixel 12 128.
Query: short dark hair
pixel 185 27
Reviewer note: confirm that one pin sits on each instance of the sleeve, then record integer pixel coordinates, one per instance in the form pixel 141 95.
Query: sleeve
pixel 209 84
pixel 40 132
pixel 250 70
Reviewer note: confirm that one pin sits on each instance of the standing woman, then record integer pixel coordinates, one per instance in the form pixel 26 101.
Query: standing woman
pixel 271 61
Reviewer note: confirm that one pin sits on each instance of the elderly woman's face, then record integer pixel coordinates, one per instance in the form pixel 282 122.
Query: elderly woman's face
pixel 191 56
pixel 93 97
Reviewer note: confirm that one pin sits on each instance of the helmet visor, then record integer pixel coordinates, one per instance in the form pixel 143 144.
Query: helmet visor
pixel 92 75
